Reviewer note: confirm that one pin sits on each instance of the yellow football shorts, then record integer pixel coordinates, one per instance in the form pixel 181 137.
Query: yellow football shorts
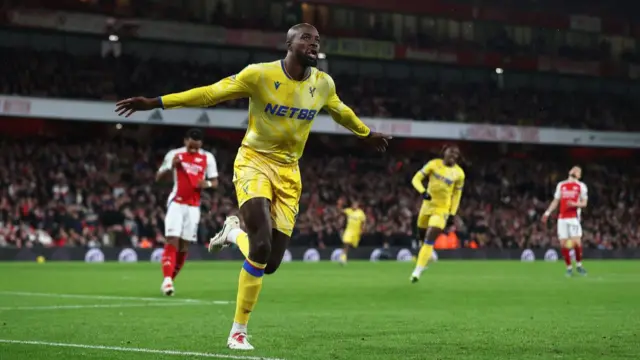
pixel 432 216
pixel 351 238
pixel 255 175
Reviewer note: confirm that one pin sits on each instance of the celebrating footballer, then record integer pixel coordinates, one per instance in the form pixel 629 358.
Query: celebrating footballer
pixel 285 97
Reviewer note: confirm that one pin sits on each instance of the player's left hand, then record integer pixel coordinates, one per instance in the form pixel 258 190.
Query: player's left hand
pixel 378 140
pixel 203 184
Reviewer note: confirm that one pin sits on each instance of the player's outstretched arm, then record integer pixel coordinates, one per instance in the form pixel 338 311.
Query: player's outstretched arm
pixel 233 87
pixel 418 180
pixel 344 115
pixel 456 196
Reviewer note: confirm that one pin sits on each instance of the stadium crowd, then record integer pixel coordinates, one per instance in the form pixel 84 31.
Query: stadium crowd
pixel 58 74
pixel 102 193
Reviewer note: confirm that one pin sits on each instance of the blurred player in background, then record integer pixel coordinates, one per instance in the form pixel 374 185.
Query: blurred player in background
pixel 356 220
pixel 285 97
pixel 441 201
pixel 571 195
pixel 193 169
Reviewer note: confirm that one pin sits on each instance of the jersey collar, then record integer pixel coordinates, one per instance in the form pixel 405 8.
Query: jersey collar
pixel 284 70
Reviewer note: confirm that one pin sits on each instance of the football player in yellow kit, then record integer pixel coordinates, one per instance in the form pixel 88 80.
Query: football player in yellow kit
pixel 285 96
pixel 441 201
pixel 356 220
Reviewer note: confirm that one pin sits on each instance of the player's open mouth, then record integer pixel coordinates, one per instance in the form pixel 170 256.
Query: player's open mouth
pixel 312 53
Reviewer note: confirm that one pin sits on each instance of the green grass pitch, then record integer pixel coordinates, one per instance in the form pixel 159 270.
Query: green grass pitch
pixel 459 310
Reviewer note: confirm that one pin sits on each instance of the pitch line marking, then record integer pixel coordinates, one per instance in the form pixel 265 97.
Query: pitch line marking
pixel 97 306
pixel 109 297
pixel 190 354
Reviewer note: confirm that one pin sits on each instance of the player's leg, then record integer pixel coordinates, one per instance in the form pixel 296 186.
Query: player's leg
pixel 189 235
pixel 422 224
pixel 575 233
pixel 181 257
pixel 254 190
pixel 255 244
pixel 565 245
pixel 435 225
pixel 347 242
pixel 284 210
pixel 279 244
pixel 173 224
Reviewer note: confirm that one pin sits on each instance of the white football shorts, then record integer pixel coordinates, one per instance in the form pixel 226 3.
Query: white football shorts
pixel 569 229
pixel 182 221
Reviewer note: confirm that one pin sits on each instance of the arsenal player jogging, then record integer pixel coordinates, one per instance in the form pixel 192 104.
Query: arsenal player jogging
pixel 193 169
pixel 571 195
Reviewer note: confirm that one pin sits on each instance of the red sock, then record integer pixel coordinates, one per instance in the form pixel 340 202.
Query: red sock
pixel 566 256
pixel 180 259
pixel 578 251
pixel 168 260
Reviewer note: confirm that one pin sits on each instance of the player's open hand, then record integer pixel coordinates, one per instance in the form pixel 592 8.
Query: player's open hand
pixel 378 140
pixel 545 218
pixel 129 106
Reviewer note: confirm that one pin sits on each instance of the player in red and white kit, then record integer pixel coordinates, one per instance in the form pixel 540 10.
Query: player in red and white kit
pixel 193 169
pixel 571 195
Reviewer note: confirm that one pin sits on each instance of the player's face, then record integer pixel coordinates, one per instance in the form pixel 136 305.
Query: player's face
pixel 306 47
pixel 192 145
pixel 451 155
pixel 576 172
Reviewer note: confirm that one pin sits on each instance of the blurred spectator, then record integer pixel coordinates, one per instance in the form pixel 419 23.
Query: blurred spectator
pixel 98 193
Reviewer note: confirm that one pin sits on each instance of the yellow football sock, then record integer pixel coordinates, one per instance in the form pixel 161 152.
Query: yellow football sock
pixel 424 255
pixel 343 257
pixel 249 286
pixel 243 243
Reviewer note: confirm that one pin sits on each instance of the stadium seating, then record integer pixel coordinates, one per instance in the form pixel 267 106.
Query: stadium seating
pixel 102 193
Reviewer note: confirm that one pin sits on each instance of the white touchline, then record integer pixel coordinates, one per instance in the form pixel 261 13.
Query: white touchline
pixel 97 306
pixel 189 354
pixel 110 297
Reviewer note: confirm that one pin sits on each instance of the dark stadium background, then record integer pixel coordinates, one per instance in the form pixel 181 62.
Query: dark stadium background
pixel 524 63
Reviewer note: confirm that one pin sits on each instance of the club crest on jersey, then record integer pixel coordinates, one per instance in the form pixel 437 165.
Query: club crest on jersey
pixel 290 112
pixel 276 84
pixel 312 90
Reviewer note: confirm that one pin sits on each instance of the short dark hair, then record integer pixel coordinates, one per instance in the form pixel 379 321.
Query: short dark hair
pixel 194 134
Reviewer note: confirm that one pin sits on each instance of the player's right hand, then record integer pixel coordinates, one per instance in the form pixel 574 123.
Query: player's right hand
pixel 378 140
pixel 176 161
pixel 545 218
pixel 129 106
pixel 426 196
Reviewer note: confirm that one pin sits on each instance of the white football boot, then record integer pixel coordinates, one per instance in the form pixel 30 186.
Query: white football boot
pixel 238 341
pixel 219 241
pixel 167 287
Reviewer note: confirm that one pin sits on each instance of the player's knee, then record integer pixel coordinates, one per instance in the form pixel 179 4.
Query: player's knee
pixel 173 240
pixel 271 268
pixel 260 246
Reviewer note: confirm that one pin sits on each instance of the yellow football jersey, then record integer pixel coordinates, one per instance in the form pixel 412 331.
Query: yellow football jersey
pixel 444 181
pixel 281 109
pixel 355 220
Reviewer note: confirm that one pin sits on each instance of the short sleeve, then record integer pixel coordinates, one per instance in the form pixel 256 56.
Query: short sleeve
pixel 584 192
pixel 212 166
pixel 556 195
pixel 166 163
